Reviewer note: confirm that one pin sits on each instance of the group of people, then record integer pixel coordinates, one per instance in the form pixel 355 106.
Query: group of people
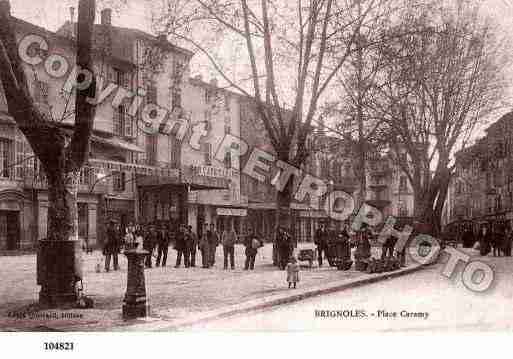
pixel 157 239
pixel 342 241
pixel 499 242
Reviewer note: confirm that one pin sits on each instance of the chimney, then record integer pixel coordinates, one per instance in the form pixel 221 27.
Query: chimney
pixel 213 82
pixel 162 38
pixel 106 17
pixel 198 78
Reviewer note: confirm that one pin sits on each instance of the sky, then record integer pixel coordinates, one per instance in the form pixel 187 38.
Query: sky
pixel 51 14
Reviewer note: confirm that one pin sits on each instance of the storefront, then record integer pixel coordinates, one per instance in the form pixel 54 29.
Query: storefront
pixel 229 217
pixel 262 219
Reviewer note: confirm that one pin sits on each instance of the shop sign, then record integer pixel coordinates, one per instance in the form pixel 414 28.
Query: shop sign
pixel 209 171
pixel 240 212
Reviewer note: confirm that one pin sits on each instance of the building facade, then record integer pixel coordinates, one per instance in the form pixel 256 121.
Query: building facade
pixel 133 174
pixel 481 189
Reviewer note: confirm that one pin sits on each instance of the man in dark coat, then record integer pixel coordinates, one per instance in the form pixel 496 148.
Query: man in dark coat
pixel 162 246
pixel 111 247
pixel 363 247
pixel 213 242
pixel 508 236
pixel 181 247
pixel 321 241
pixel 467 239
pixel 251 243
pixel 192 243
pixel 284 245
pixel 149 243
pixel 204 247
pixel 485 240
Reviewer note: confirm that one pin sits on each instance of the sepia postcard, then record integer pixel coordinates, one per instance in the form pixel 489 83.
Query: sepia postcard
pixel 255 166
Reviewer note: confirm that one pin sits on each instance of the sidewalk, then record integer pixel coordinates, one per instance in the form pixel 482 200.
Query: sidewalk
pixel 177 297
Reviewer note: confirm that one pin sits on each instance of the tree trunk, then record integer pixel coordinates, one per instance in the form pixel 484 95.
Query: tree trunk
pixel 59 255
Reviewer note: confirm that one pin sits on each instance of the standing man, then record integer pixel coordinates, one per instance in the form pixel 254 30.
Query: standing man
pixel 204 247
pixel 252 243
pixel 321 241
pixel 163 245
pixel 213 242
pixel 111 246
pixel 150 240
pixel 192 244
pixel 284 244
pixel 485 240
pixel 180 247
pixel 229 238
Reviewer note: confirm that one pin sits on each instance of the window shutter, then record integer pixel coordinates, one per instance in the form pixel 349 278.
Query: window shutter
pixel 18 159
pixel 129 131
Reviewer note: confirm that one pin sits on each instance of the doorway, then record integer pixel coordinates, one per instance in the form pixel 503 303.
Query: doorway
pixel 9 230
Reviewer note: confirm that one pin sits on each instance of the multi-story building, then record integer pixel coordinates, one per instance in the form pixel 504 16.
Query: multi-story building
pixel 23 189
pixel 219 109
pixel 388 187
pixel 133 174
pixel 482 189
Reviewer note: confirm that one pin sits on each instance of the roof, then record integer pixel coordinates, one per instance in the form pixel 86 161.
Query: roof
pixel 58 37
pixel 124 35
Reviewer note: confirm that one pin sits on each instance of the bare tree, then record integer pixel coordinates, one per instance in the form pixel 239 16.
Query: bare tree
pixel 293 50
pixel 436 88
pixel 61 160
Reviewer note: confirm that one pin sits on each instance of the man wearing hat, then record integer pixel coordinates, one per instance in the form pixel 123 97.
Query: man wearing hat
pixel 111 247
pixel 321 241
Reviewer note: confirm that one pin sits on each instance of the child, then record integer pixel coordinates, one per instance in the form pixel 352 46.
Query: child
pixel 292 272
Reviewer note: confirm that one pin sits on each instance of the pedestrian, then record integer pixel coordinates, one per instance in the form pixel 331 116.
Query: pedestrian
pixel 162 246
pixel 387 250
pixel 204 248
pixel 363 247
pixel 343 245
pixel 180 247
pixel 321 241
pixel 110 249
pixel 213 242
pixel 228 238
pixel 508 237
pixel 497 240
pixel 149 242
pixel 284 245
pixel 192 245
pixel 252 243
pixel 484 240
pixel 292 272
pixel 467 238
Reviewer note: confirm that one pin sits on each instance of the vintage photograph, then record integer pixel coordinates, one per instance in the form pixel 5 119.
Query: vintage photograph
pixel 255 166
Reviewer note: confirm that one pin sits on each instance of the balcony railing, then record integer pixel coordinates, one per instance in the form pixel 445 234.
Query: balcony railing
pixel 87 182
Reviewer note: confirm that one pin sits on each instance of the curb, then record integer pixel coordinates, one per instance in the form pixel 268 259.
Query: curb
pixel 264 303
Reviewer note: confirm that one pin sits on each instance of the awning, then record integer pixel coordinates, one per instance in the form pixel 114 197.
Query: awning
pixel 172 173
pixel 117 143
pixel 239 212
